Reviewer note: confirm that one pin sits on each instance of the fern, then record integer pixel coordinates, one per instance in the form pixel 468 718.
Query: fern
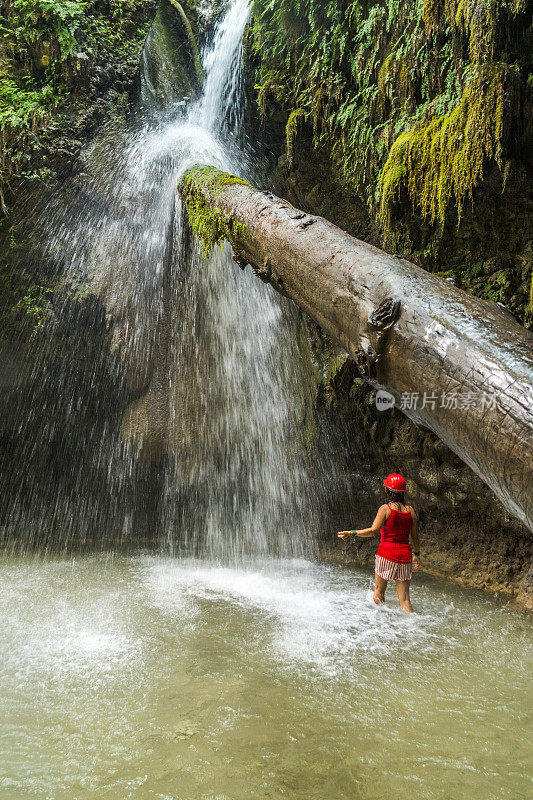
pixel 365 73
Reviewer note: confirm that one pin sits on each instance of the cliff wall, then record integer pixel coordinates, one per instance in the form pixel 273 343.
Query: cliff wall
pixel 409 126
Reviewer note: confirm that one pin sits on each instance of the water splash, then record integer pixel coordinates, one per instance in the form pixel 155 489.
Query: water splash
pixel 267 679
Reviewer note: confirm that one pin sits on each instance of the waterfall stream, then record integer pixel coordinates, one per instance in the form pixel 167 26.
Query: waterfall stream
pixel 207 456
pixel 233 481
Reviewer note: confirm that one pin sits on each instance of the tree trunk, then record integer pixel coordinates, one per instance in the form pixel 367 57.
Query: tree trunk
pixel 458 365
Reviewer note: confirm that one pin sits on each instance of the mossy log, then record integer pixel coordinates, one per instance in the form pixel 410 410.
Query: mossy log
pixel 465 363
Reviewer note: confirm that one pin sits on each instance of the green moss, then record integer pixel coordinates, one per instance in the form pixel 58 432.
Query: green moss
pixel 384 72
pixel 296 117
pixel 442 161
pixel 210 178
pixel 394 78
pixel 477 21
pixel 392 178
pixel 209 225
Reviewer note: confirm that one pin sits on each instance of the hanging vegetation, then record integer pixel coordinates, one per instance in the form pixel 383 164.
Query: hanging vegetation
pixel 414 96
pixel 441 161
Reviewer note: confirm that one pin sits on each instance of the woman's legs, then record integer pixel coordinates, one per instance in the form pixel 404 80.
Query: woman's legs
pixel 402 587
pixel 379 591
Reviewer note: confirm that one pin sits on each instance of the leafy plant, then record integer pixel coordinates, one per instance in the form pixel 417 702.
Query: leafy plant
pixel 53 22
pixel 38 40
pixel 388 90
pixel 34 304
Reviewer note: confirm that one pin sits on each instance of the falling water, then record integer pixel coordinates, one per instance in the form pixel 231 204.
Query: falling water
pixel 207 452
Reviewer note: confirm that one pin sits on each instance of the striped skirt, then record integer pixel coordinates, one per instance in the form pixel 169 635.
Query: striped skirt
pixel 393 570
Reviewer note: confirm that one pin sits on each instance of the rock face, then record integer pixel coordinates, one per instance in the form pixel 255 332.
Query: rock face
pixel 464 531
pixel 171 64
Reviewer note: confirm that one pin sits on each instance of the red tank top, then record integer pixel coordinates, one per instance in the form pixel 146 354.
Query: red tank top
pixel 395 533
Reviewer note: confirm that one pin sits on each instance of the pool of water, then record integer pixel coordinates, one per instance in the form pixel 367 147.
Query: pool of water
pixel 150 677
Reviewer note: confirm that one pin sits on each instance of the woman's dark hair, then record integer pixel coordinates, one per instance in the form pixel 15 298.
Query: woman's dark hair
pixel 394 497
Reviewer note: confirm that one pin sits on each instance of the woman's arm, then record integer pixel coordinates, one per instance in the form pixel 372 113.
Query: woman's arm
pixel 365 533
pixel 415 540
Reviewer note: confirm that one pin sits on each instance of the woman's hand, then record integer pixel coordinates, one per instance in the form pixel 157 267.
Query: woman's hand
pixel 344 534
pixel 416 562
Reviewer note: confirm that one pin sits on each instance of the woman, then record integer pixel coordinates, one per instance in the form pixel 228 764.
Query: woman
pixel 394 559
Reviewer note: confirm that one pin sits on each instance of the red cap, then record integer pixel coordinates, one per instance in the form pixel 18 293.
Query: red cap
pixel 395 482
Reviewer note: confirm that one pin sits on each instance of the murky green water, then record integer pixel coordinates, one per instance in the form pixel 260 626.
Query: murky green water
pixel 149 677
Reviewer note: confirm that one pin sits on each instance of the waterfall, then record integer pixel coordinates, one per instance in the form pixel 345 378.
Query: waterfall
pixel 233 480
pixel 207 454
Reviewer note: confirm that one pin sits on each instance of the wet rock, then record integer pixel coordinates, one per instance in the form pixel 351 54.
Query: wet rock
pixel 169 69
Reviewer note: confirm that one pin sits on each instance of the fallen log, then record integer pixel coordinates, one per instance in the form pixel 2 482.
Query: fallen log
pixel 460 366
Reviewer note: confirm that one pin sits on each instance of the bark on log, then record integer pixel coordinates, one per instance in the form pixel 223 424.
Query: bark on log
pixel 409 331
